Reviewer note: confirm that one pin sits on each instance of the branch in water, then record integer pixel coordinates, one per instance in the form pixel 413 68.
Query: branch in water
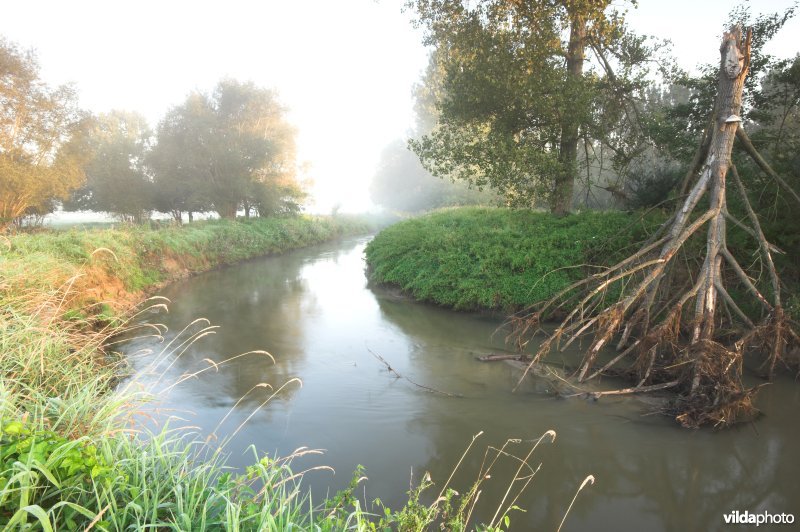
pixel 426 388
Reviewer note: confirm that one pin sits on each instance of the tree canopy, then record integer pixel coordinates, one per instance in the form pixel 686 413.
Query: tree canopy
pixel 41 151
pixel 226 150
pixel 514 97
pixel 116 178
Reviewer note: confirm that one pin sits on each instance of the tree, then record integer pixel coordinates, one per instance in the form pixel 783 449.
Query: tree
pixel 116 178
pixel 676 317
pixel 678 127
pixel 227 150
pixel 176 160
pixel 515 99
pixel 40 137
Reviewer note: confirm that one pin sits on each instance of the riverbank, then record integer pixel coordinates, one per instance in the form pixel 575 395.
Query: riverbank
pixel 72 455
pixel 500 259
pixel 110 269
pixel 69 459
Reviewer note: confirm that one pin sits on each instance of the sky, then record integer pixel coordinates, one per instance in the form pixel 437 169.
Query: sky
pixel 345 69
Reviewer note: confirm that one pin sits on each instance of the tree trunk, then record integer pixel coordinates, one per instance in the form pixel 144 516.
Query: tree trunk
pixel 191 216
pixel 699 353
pixel 733 71
pixel 561 202
pixel 227 210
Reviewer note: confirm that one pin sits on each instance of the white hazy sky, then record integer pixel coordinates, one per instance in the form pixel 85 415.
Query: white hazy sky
pixel 344 68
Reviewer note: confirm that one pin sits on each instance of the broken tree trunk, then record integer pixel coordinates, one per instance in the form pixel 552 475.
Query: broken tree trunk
pixel 667 320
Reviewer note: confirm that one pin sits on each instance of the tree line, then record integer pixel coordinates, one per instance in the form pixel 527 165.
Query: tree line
pixel 222 151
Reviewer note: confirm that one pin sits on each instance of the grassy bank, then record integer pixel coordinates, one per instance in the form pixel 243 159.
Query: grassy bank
pixel 68 458
pixel 114 266
pixel 499 259
pixel 70 455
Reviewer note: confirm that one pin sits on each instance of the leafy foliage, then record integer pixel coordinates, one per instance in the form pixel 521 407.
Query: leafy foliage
pixel 116 180
pixel 41 469
pixel 227 150
pixel 513 98
pixel 41 152
pixel 499 259
pixel 649 181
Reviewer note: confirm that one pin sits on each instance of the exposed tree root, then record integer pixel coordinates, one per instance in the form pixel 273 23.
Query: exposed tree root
pixel 674 321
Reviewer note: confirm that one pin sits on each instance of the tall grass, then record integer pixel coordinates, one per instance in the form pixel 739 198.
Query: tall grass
pixel 72 456
pixel 68 456
pixel 139 257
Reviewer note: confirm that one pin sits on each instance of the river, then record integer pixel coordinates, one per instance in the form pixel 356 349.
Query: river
pixel 315 312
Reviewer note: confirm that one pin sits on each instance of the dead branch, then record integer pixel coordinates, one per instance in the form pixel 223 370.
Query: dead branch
pixel 732 304
pixel 762 240
pixel 397 374
pixel 772 247
pixel 628 391
pixel 497 358
pixel 699 157
pixel 759 160
pixel 740 273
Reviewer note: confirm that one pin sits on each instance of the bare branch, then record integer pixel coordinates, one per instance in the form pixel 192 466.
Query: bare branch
pixel 759 160
pixel 762 240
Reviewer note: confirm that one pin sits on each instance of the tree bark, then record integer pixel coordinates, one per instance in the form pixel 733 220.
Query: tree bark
pixel 733 70
pixel 564 185
pixel 227 210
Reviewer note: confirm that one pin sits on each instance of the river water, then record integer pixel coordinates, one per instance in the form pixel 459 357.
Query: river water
pixel 314 311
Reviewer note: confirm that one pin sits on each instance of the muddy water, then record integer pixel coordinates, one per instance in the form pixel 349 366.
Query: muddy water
pixel 314 311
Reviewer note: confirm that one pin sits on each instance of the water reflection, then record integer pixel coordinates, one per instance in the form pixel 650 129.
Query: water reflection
pixel 313 310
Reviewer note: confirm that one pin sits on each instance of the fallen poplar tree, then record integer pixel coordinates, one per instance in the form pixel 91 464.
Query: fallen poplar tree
pixel 675 323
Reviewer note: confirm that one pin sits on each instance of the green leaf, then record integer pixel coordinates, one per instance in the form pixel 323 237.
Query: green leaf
pixel 20 517
pixel 47 473
pixel 14 427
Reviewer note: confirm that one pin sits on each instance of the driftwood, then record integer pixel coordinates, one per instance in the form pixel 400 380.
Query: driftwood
pixel 628 391
pixel 497 357
pixel 563 386
pixel 418 385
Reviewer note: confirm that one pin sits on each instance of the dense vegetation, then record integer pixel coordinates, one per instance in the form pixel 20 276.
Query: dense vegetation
pixel 484 258
pixel 137 257
pixel 67 460
pixel 68 457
